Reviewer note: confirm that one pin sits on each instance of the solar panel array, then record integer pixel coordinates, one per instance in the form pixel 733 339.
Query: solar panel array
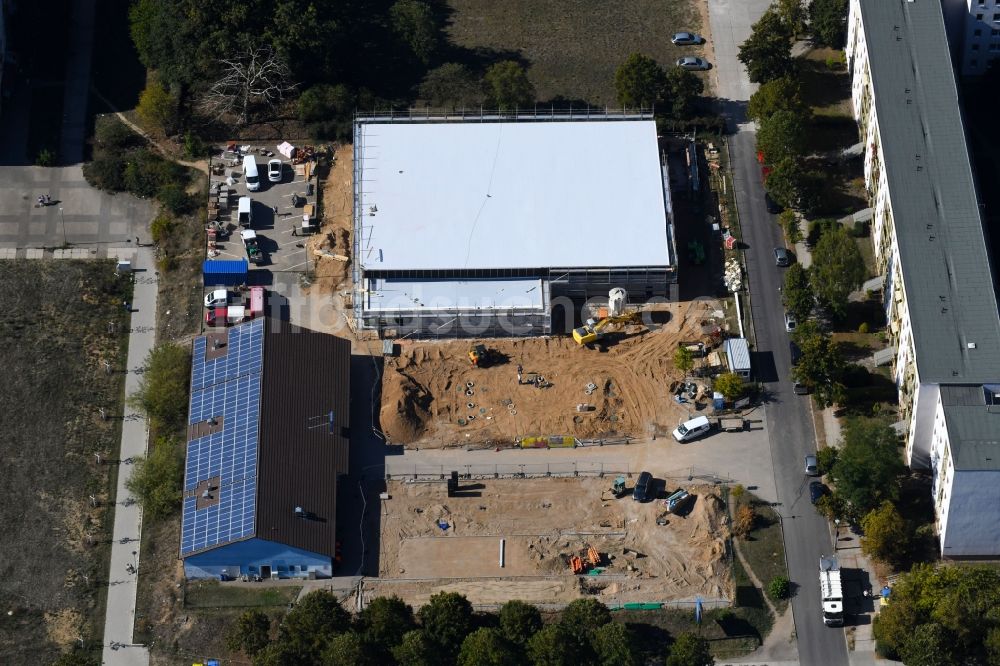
pixel 226 388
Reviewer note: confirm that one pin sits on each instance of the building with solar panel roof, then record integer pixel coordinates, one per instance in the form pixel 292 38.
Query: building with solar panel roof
pixel 267 440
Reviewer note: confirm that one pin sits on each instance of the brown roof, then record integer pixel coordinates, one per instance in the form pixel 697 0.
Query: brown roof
pixel 306 377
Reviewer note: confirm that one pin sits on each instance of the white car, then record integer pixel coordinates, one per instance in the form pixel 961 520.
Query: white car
pixel 790 322
pixel 691 62
pixel 686 39
pixel 274 168
pixel 216 299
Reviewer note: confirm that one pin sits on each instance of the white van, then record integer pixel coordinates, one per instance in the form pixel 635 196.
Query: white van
pixel 245 212
pixel 250 173
pixel 693 428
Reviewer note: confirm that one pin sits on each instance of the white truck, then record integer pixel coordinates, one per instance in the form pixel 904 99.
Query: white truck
pixel 831 590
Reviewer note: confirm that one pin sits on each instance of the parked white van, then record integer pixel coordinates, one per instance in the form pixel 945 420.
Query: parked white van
pixel 693 428
pixel 250 173
pixel 244 214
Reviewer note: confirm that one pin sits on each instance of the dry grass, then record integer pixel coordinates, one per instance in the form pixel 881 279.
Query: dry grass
pixel 572 47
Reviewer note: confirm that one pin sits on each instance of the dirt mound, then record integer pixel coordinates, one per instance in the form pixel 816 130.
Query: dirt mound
pixel 405 416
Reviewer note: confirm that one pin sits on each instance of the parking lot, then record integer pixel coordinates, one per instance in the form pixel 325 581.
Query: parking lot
pixel 277 209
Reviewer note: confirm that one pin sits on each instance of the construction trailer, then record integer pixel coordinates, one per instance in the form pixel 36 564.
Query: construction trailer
pixel 491 225
pixel 738 356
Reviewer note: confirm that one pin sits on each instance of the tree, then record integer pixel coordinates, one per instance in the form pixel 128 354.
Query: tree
pixel 414 22
pixel 75 658
pixel 683 360
pixel 683 88
pixel 930 645
pixel 323 100
pixel 163 390
pixel 310 626
pixel 519 621
pixel 828 21
pixel 820 365
pixel 157 479
pixel 887 537
pixel 743 522
pixel 781 135
pixel 639 81
pixel 797 295
pixel 250 633
pixel 506 85
pixel 487 647
pixel 779 587
pixel 690 650
pixel 826 458
pixel 767 53
pixel 837 269
pixel 793 13
pixel 415 650
pixel 555 645
pixel 729 385
pixel 384 622
pixel 349 648
pixel 582 616
pixel 613 644
pixel 157 108
pixel 277 653
pixel 451 85
pixel 446 621
pixel 868 468
pixel 256 78
pixel 786 182
pixel 782 94
pixel 166 39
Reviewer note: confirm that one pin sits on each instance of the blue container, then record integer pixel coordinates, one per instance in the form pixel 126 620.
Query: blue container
pixel 225 272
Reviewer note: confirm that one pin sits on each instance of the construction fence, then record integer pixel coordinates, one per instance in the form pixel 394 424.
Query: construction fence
pixel 403 472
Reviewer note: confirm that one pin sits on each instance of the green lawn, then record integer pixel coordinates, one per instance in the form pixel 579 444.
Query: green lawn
pixel 212 594
pixel 764 548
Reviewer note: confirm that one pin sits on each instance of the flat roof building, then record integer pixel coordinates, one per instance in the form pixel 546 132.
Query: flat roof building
pixel 494 219
pixel 267 439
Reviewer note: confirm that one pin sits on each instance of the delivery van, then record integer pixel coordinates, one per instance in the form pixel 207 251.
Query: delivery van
pixel 250 173
pixel 693 428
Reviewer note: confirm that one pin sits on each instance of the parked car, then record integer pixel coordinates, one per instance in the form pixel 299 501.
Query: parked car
pixel 274 168
pixel 217 298
pixel 686 39
pixel 773 206
pixel 795 352
pixel 790 322
pixel 816 490
pixel 693 428
pixel 798 388
pixel 691 62
pixel 812 468
pixel 781 256
pixel 642 486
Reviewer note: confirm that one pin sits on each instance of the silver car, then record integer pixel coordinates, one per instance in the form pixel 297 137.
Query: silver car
pixel 691 62
pixel 686 39
pixel 812 468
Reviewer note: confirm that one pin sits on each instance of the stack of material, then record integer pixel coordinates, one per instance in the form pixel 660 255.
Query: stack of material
pixel 303 154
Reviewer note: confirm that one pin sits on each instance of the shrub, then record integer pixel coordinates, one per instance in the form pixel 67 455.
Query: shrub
pixel 194 147
pixel 825 458
pixel 863 328
pixel 45 158
pixel 744 521
pixel 111 134
pixel 106 172
pixel 833 64
pixel 146 172
pixel 789 222
pixel 174 198
pixel 779 588
pixel 730 385
pixel 737 491
pixel 166 263
pixel 157 478
pixel 157 108
pixel 163 390
pixel 161 227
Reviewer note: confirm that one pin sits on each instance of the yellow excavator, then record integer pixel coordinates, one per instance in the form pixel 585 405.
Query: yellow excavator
pixel 593 331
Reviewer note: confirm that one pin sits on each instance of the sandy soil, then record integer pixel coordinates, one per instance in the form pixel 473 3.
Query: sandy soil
pixel 334 237
pixel 544 523
pixel 425 392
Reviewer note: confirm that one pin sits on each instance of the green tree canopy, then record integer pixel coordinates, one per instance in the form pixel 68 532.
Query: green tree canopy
pixel 506 85
pixel 582 616
pixel 415 650
pixel 639 81
pixel 797 294
pixel 519 621
pixel 787 182
pixel 487 647
pixel 309 627
pixel 821 363
pixel 887 536
pixel 157 108
pixel 781 135
pixel 446 620
pixel 683 360
pixel 767 53
pixel 828 21
pixel 781 94
pixel 793 13
pixel 869 467
pixel 451 85
pixel 837 269
pixel 250 633
pixel 414 22
pixel 384 622
pixel 614 645
pixel 690 650
pixel 163 389
pixel 682 90
pixel 157 479
pixel 555 645
pixel 729 385
pixel 349 648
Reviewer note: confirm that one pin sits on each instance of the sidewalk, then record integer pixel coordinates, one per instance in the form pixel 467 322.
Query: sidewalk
pixel 118 623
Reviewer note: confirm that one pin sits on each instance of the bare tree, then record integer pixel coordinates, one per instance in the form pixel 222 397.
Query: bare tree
pixel 258 77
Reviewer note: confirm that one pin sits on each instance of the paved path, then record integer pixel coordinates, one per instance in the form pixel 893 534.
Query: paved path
pixel 118 624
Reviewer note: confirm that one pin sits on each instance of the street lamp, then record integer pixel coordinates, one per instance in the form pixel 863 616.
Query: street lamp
pixel 63 218
pixel 836 540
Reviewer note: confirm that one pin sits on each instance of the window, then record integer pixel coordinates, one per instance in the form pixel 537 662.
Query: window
pixel 977 33
pixel 995 32
pixel 996 17
pixel 975 47
pixel 979 17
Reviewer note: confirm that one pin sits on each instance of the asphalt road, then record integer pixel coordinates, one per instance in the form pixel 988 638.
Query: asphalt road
pixel 807 534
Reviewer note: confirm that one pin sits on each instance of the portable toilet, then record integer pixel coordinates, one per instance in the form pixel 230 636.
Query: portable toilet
pixel 718 400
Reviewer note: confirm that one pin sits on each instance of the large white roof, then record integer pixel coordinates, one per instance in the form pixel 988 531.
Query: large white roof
pixel 473 195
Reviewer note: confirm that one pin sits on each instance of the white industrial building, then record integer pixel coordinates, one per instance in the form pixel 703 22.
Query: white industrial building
pixel 974 31
pixel 475 227
pixel 930 246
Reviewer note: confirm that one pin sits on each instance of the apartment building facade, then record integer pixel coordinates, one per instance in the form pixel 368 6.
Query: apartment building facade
pixel 974 32
pixel 930 247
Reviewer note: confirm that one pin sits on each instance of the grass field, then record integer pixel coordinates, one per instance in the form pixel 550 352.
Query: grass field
pixel 572 47
pixel 55 337
pixel 764 549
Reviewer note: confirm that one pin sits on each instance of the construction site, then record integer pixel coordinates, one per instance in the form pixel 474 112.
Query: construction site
pixel 549 541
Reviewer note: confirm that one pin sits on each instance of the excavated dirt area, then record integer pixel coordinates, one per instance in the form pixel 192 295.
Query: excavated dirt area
pixel 333 242
pixel 431 542
pixel 427 400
